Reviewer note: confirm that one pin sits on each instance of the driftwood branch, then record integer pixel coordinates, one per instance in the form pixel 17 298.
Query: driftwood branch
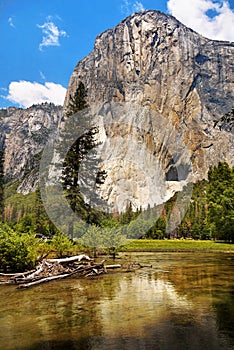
pixel 70 259
pixel 17 274
pixel 56 269
pixel 43 280
pixel 117 266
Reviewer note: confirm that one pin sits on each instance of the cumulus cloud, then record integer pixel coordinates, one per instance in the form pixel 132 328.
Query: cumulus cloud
pixel 213 19
pixel 128 7
pixel 51 34
pixel 26 93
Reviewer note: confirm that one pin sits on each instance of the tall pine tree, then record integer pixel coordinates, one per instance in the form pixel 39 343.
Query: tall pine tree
pixel 81 153
pixel 78 101
pixel 220 194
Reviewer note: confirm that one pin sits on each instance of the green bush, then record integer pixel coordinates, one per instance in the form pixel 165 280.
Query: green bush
pixel 61 244
pixel 18 251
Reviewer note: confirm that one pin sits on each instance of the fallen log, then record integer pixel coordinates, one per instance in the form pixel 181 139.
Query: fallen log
pixel 2 282
pixel 43 280
pixel 32 275
pixel 16 274
pixel 56 269
pixel 70 259
pixel 24 281
pixel 48 279
pixel 117 266
pixel 81 270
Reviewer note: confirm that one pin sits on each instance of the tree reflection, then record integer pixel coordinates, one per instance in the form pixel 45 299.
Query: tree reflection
pixel 225 314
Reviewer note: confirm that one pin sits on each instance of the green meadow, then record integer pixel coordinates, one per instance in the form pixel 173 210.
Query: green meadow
pixel 149 245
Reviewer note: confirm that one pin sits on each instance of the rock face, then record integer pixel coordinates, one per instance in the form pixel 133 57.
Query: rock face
pixel 24 134
pixel 157 87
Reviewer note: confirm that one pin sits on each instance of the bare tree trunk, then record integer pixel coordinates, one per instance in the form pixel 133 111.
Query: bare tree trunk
pixel 71 259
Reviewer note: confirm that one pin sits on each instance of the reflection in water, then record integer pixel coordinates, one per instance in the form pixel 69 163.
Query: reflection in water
pixel 140 301
pixel 184 302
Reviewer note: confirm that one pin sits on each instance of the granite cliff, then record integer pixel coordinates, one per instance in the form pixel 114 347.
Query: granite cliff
pixel 158 84
pixel 156 89
pixel 24 133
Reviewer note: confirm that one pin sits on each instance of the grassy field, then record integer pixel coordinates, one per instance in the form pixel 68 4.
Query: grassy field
pixel 176 245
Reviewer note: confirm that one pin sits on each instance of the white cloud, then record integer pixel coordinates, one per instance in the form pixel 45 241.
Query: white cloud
pixel 128 7
pixel 196 15
pixel 51 34
pixel 11 23
pixel 26 93
pixel 54 17
pixel 138 6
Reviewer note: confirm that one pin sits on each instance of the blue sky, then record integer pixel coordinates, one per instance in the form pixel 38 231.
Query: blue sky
pixel 42 40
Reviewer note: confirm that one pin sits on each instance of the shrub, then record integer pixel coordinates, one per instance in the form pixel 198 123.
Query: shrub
pixel 18 251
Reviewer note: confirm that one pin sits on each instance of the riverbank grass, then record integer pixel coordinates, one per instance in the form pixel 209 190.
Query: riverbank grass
pixel 144 245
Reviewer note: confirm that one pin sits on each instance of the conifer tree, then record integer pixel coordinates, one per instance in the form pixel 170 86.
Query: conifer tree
pixel 220 193
pixel 79 154
pixel 78 101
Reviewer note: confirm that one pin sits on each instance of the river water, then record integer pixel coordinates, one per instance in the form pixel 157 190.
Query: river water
pixel 185 301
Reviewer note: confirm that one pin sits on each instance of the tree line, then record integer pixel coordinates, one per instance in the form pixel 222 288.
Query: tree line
pixel 25 223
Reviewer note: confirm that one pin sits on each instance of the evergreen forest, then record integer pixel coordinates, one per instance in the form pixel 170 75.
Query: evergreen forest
pixel 27 234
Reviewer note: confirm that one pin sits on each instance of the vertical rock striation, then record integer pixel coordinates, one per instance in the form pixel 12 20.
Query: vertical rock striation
pixel 156 89
pixel 24 133
pixel 171 84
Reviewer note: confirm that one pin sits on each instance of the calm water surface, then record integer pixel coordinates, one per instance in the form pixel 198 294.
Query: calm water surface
pixel 185 301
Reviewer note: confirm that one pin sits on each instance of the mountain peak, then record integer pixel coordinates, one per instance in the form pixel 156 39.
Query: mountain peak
pixel 186 82
pixel 156 90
